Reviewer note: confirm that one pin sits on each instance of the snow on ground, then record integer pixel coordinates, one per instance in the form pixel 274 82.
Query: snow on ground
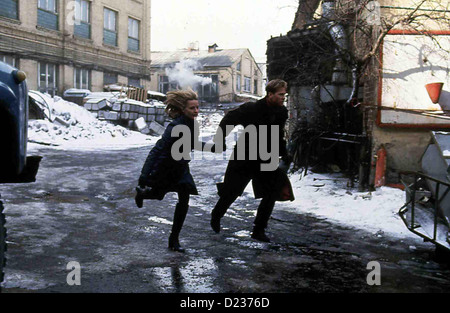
pixel 83 130
pixel 208 123
pixel 375 212
pixel 324 195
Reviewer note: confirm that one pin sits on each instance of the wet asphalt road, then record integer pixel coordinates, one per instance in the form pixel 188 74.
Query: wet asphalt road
pixel 82 209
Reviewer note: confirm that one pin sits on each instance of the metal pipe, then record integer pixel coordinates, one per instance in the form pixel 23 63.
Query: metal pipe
pixel 413 202
pixel 355 83
pixel 337 33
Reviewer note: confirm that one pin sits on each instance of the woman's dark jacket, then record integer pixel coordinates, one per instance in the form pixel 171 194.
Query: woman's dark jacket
pixel 161 171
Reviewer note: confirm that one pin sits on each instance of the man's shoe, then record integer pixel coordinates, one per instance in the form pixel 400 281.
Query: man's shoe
pixel 174 245
pixel 139 199
pixel 215 224
pixel 260 235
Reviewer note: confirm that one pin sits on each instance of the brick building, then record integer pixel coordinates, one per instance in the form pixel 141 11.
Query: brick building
pixel 83 44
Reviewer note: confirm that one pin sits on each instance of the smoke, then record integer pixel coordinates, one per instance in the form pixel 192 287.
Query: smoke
pixel 183 74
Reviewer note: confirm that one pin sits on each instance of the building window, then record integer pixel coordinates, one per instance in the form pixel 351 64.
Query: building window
pixel 135 82
pixel 110 78
pixel 133 34
pixel 238 83
pixel 82 78
pixel 9 60
pixel 255 87
pixel 238 66
pixel 110 27
pixel 48 78
pixel 82 26
pixel 47 14
pixel 247 82
pixel 165 85
pixel 209 93
pixel 9 9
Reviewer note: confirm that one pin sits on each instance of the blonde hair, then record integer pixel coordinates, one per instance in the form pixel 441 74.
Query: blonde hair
pixel 177 100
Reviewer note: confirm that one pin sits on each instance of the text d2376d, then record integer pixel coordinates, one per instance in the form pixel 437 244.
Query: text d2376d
pixel 246 302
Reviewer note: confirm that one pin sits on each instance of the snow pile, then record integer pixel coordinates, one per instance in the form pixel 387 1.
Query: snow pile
pixel 209 122
pixel 327 195
pixel 74 127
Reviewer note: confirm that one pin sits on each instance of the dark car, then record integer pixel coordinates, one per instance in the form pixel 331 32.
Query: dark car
pixel 15 166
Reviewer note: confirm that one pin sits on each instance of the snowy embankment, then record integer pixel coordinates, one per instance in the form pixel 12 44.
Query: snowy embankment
pixel 75 128
pixel 327 195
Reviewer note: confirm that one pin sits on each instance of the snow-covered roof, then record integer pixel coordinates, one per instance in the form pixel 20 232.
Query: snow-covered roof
pixel 220 58
pixel 243 95
pixel 76 92
pixel 155 93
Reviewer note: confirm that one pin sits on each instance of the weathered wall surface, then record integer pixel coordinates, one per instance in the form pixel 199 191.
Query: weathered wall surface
pixel 32 43
pixel 402 87
pixel 404 148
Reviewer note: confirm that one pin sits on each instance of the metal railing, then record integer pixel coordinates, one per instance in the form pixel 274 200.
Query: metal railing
pixel 411 190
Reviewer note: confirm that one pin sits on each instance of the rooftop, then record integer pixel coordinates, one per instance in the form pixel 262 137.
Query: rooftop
pixel 219 58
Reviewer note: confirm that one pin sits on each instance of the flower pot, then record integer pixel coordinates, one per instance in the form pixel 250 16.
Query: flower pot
pixel 434 91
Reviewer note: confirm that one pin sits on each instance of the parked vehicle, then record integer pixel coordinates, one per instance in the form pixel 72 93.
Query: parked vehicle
pixel 15 166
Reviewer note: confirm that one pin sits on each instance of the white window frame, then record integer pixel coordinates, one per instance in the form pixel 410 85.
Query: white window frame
pixel 55 78
pixel 82 71
pixel 132 29
pixel 3 59
pixel 247 84
pixel 47 5
pixel 82 11
pixel 238 83
pixel 110 20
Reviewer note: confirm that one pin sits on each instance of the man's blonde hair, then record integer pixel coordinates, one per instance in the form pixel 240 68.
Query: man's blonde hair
pixel 275 84
pixel 177 100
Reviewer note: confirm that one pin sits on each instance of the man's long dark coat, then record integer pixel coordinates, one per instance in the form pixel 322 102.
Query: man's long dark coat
pixel 264 182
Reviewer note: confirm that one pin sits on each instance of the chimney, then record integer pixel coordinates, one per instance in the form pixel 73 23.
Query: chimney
pixel 212 49
pixel 193 46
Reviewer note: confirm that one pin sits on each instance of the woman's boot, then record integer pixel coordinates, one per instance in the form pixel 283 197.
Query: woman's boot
pixel 178 220
pixel 174 244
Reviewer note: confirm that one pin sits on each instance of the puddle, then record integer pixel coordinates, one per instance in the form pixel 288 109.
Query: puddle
pixel 242 233
pixel 197 276
pixel 248 244
pixel 24 280
pixel 149 229
pixel 159 220
pixel 237 262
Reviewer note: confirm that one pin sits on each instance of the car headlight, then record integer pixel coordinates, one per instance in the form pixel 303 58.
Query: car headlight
pixel 19 76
